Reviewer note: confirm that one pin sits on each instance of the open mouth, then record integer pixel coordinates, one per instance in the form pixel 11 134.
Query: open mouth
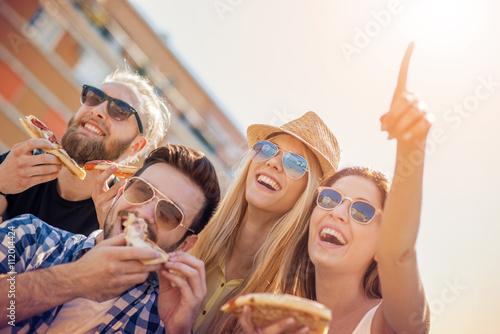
pixel 92 128
pixel 268 183
pixel 333 237
pixel 123 220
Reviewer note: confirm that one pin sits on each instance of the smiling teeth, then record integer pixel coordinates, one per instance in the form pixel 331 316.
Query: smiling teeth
pixel 329 231
pixel 93 129
pixel 269 182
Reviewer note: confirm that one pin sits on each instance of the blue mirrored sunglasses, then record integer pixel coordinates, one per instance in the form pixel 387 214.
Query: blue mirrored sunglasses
pixel 295 166
pixel 361 211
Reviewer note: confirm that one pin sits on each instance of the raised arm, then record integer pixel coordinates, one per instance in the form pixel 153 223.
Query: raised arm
pixel 404 307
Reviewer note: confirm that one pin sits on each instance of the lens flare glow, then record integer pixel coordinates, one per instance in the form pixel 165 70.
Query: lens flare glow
pixel 447 21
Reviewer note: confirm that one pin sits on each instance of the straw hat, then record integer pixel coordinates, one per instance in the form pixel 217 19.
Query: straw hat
pixel 310 130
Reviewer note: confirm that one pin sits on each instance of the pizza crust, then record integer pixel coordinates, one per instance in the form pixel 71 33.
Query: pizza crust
pixel 268 308
pixel 122 172
pixel 59 152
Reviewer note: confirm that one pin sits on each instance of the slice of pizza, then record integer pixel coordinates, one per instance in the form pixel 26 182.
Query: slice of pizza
pixel 136 234
pixel 37 129
pixel 268 308
pixel 122 172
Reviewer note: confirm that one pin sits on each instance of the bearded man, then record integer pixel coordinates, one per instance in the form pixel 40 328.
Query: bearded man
pixel 121 120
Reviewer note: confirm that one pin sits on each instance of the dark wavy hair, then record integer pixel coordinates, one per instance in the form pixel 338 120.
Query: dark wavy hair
pixel 303 283
pixel 195 165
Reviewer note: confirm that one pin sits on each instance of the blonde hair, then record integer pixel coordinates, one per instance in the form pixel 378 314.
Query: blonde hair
pixel 273 262
pixel 152 106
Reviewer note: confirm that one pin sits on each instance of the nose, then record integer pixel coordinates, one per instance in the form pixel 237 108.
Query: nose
pixel 276 162
pixel 147 211
pixel 100 111
pixel 341 212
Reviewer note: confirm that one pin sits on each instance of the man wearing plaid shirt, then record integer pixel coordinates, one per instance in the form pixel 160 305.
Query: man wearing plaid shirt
pixel 54 281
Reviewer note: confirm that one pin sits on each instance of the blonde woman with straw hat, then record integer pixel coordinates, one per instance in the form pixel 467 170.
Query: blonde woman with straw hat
pixel 362 262
pixel 247 244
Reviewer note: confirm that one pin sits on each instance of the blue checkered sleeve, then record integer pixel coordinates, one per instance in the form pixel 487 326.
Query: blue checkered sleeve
pixel 27 243
pixel 35 244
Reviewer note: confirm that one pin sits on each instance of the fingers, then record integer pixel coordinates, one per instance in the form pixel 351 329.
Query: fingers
pixel 21 170
pixel 109 194
pixel 403 71
pixel 101 182
pixel 43 159
pixel 278 327
pixel 43 169
pixel 34 180
pixel 396 125
pixel 193 271
pixel 118 240
pixel 408 118
pixel 138 253
pixel 282 325
pixel 398 107
pixel 418 130
pixel 412 122
pixel 35 143
pixel 126 252
pixel 246 321
pixel 105 175
pixel 103 195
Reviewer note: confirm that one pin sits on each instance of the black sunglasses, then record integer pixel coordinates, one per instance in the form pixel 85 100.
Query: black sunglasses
pixel 117 109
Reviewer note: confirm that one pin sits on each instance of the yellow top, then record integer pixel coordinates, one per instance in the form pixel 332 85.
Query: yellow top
pixel 217 290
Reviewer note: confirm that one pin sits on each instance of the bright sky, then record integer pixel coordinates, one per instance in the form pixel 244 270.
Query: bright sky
pixel 271 61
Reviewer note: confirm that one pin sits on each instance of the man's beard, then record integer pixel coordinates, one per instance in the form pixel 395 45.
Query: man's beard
pixel 82 150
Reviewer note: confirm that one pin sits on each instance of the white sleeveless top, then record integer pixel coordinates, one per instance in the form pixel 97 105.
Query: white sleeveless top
pixel 365 325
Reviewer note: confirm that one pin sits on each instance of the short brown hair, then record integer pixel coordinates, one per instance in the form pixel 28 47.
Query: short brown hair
pixel 195 165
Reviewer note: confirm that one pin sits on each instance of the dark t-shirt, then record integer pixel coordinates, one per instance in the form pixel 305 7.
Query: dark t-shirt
pixel 44 202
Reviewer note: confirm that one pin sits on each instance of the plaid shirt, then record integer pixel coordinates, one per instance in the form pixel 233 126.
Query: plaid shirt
pixel 39 245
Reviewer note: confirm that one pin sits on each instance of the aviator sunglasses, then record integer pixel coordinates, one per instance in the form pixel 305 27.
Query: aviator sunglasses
pixel 295 166
pixel 117 109
pixel 168 215
pixel 361 211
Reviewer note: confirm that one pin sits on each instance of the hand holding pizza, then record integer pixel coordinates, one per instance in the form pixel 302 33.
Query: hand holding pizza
pixel 37 129
pixel 279 327
pixel 111 268
pixel 180 297
pixel 279 314
pixel 22 170
pixel 103 195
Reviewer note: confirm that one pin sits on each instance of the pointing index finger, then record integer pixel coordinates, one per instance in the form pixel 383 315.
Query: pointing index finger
pixel 403 71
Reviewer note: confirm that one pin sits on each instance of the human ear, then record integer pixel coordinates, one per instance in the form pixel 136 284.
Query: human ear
pixel 188 243
pixel 137 145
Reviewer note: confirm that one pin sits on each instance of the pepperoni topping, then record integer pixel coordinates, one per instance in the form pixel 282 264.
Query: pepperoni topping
pixel 48 134
pixel 92 164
